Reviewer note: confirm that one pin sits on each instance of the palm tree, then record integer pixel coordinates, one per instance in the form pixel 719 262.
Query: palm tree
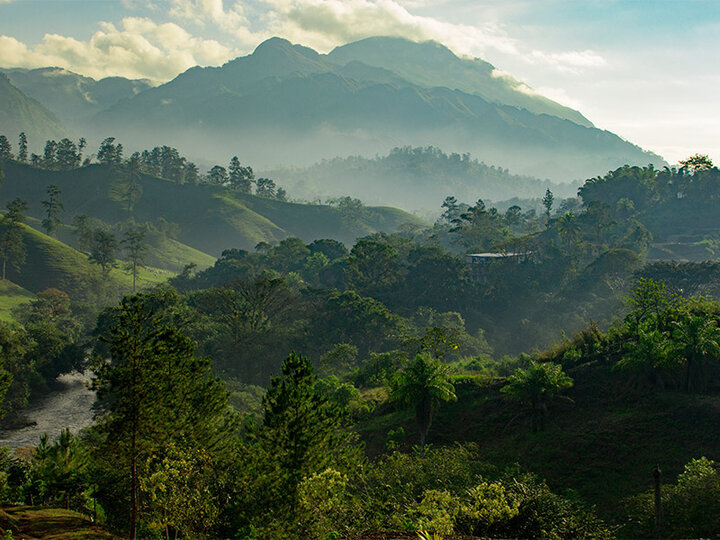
pixel 536 386
pixel 696 343
pixel 422 385
pixel 568 228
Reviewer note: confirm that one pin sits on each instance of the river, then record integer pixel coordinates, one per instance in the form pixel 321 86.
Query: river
pixel 69 404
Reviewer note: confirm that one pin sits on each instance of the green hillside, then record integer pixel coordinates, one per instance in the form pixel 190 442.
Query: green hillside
pixel 211 218
pixel 11 297
pixel 51 263
pixel 602 445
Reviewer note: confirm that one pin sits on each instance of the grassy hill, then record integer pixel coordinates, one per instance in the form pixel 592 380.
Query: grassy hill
pixel 11 297
pixel 51 263
pixel 211 218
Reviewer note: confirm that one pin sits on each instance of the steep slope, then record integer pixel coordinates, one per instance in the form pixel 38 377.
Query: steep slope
pixel 51 263
pixel 431 64
pixel 287 104
pixel 11 297
pixel 22 113
pixel 211 219
pixel 70 96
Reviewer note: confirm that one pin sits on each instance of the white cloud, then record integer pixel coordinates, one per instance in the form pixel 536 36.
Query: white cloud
pixel 571 61
pixel 323 24
pixel 140 48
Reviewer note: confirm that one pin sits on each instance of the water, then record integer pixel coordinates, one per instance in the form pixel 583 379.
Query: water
pixel 70 405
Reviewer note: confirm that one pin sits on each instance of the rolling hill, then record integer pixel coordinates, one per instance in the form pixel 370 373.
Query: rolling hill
pixel 287 104
pixel 413 179
pixel 211 218
pixel 52 263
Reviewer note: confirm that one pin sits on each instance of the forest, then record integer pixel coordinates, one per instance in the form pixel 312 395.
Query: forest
pixel 508 373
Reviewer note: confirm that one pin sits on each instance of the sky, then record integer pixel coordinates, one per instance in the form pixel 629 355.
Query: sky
pixel 648 70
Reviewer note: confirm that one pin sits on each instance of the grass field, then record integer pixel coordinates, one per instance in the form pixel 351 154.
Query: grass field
pixel 11 297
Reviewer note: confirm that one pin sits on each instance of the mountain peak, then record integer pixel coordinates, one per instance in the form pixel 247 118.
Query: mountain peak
pixel 275 47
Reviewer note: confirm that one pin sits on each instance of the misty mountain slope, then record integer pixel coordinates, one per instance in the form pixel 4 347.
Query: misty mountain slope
pixel 70 96
pixel 432 64
pixel 413 178
pixel 285 104
pixel 211 219
pixel 22 113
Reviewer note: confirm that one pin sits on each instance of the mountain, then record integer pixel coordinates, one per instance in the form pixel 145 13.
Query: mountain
pixel 22 113
pixel 210 218
pixel 429 64
pixel 72 97
pixel 287 104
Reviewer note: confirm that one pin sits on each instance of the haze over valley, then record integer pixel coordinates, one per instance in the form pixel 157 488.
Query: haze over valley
pixel 279 269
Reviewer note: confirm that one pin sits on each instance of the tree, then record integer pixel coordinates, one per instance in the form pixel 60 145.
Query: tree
pixel 110 153
pixel 696 343
pixel 452 209
pixel 53 206
pixel 264 187
pixel 67 155
pixel 12 247
pixel 22 155
pixel 191 173
pixel 135 248
pixel 696 163
pixel 103 250
pixel 155 392
pixel 217 175
pixel 547 202
pixel 301 434
pixel 536 386
pixel 568 228
pixel 132 189
pixel 83 231
pixel 48 159
pixel 422 385
pixel 5 148
pixel 241 178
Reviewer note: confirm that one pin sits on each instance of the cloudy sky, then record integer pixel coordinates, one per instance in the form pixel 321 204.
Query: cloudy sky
pixel 648 70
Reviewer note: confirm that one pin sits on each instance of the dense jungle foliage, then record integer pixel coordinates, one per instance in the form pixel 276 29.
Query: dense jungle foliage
pixel 408 383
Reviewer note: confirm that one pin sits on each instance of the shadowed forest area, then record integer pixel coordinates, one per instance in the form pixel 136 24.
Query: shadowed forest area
pixel 344 371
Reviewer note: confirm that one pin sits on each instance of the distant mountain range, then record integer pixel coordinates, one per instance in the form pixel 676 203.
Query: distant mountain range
pixel 19 112
pixel 286 104
pixel 72 97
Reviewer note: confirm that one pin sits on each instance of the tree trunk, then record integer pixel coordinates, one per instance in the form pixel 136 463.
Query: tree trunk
pixel 688 371
pixel 423 416
pixel 133 489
